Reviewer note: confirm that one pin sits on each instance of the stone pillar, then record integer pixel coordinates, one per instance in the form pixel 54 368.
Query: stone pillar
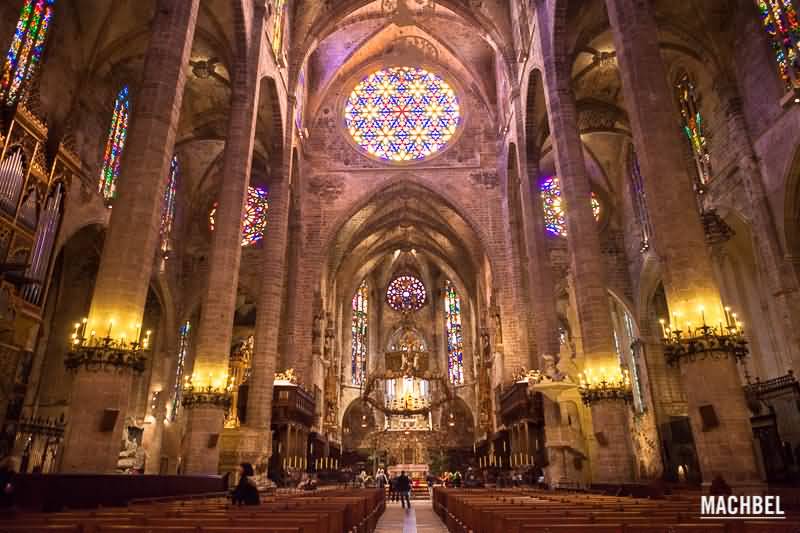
pixel 778 272
pixel 540 277
pixel 611 462
pixel 268 320
pixel 679 240
pixel 205 418
pixel 130 246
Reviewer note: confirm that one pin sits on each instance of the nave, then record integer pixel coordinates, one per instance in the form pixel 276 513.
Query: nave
pixel 419 519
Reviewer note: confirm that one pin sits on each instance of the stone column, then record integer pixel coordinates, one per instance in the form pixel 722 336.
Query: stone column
pixel 777 272
pixel 130 246
pixel 205 419
pixel 611 460
pixel 540 278
pixel 268 319
pixel 726 449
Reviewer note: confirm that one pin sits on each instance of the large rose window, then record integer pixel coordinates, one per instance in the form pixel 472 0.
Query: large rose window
pixel 402 113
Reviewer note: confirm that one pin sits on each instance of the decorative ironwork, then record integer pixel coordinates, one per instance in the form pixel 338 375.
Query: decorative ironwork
pixel 705 341
pixel 40 440
pixel 599 386
pixel 716 230
pixel 105 353
pixel 205 396
pixel 759 388
pixel 405 408
pixel 215 392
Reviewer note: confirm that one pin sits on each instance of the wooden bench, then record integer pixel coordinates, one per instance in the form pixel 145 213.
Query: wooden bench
pixel 334 511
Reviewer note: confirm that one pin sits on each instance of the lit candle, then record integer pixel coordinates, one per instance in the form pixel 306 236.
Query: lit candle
pixel 83 331
pixel 727 316
pixel 702 315
pixel 110 325
pixel 663 329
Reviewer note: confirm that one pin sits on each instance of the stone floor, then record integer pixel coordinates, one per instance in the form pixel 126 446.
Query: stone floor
pixel 419 519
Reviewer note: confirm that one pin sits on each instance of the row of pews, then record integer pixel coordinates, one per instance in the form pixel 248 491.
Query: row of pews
pixel 539 511
pixel 330 511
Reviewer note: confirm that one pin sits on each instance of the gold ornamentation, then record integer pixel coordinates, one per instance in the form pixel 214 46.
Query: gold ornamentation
pixel 605 384
pixel 286 377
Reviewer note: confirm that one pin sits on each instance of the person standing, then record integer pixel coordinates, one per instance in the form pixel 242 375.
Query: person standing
pixel 380 479
pixel 393 488
pixel 404 488
pixel 431 480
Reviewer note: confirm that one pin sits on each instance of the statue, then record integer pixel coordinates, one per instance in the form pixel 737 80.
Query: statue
pixel 551 369
pixel 487 357
pixel 498 328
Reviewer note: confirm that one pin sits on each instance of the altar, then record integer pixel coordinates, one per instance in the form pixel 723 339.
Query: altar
pixel 415 472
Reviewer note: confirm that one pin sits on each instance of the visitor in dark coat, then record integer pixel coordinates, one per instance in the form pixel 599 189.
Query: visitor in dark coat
pixel 404 488
pixel 246 492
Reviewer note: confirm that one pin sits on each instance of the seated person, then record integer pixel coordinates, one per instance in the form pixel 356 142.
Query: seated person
pixel 246 492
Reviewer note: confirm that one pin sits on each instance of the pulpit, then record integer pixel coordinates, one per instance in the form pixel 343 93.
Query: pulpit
pixel 293 410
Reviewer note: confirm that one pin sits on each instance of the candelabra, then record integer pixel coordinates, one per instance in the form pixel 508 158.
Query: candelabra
pixel 595 386
pixel 104 353
pixel 214 392
pixel 705 340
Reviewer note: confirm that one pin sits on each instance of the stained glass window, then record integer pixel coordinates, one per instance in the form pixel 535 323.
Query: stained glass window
pixel 554 217
pixel 27 46
pixel 254 218
pixel 402 113
pixel 779 18
pixel 277 27
pixel 406 293
pixel 114 146
pixel 183 350
pixel 639 201
pixel 358 357
pixel 168 205
pixel 693 126
pixel 455 341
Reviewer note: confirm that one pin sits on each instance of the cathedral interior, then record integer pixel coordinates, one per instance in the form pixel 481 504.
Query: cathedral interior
pixel 328 236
